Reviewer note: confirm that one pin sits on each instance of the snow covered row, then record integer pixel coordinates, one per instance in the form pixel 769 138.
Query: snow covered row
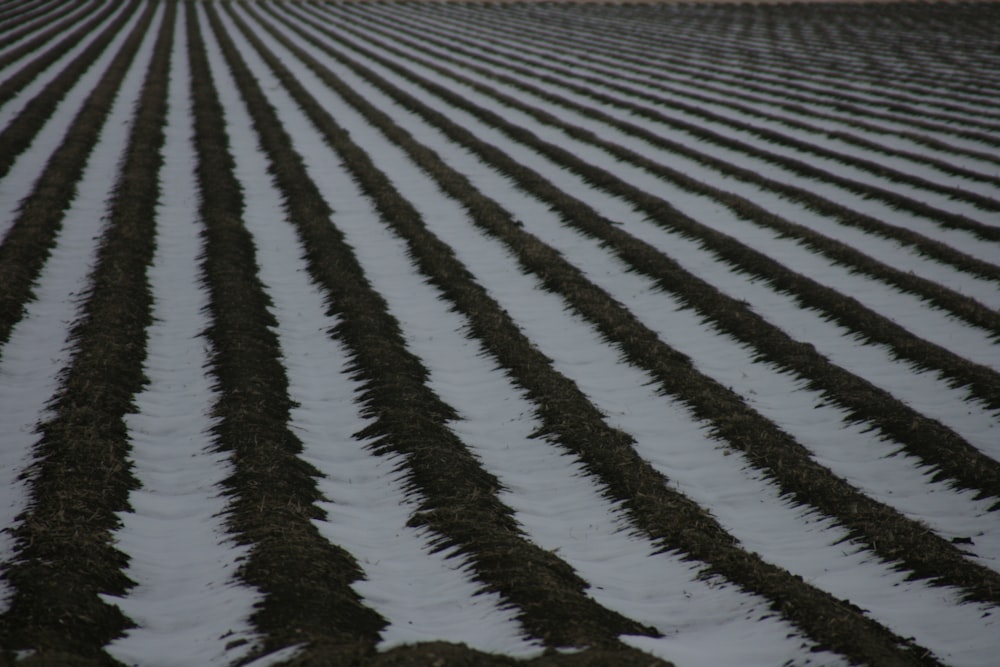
pixel 201 591
pixel 477 258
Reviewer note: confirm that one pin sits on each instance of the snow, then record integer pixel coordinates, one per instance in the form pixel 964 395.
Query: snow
pixel 38 348
pixel 559 508
pixel 423 595
pixel 188 604
pixel 911 313
pixel 29 165
pixel 39 24
pixel 921 389
pixel 516 36
pixel 695 96
pixel 768 525
pixel 888 252
pixel 9 110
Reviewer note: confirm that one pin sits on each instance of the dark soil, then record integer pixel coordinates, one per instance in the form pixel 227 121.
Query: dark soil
pixel 66 563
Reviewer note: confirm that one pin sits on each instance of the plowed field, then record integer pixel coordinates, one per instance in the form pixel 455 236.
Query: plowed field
pixel 485 334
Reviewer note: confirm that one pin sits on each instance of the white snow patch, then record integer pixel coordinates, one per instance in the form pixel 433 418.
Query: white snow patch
pixel 423 595
pixel 187 604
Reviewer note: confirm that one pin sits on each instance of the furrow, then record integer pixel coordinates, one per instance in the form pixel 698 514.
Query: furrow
pixel 422 592
pixel 585 50
pixel 693 256
pixel 840 27
pixel 754 147
pixel 33 81
pixel 187 604
pixel 65 558
pixel 841 253
pixel 543 334
pixel 798 259
pixel 561 510
pixel 607 271
pixel 28 241
pixel 544 262
pixel 789 64
pixel 26 171
pixel 424 249
pixel 458 368
pixel 19 132
pixel 22 15
pixel 583 145
pixel 730 315
pixel 38 344
pixel 304 580
pixel 857 175
pixel 975 155
pixel 784 78
pixel 892 95
pixel 460 502
pixel 12 52
pixel 782 43
pixel 725 100
pixel 611 69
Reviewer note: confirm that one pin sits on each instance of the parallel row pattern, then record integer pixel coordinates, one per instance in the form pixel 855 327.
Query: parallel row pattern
pixel 738 266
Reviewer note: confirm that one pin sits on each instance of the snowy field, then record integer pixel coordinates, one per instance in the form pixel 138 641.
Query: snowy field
pixel 442 333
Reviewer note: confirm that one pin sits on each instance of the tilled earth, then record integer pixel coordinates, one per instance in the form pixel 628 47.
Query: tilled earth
pixel 640 166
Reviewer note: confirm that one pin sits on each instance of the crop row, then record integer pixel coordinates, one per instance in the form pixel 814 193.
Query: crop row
pixel 386 333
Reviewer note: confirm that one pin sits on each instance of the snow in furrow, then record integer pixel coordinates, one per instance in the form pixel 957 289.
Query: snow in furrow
pixel 781 43
pixel 187 605
pixel 895 126
pixel 808 81
pixel 18 6
pixel 508 42
pixel 890 142
pixel 780 533
pixel 961 240
pixel 737 79
pixel 560 508
pixel 871 463
pixel 40 24
pixel 899 162
pixel 850 450
pixel 884 250
pixel 424 595
pixel 36 23
pixel 829 164
pixel 907 310
pixel 953 406
pixel 818 83
pixel 783 534
pixel 86 83
pixel 893 141
pixel 718 97
pixel 30 164
pixel 38 348
pixel 715 46
pixel 954 113
pixel 812 62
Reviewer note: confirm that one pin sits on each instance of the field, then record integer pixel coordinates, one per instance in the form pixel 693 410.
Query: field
pixel 495 334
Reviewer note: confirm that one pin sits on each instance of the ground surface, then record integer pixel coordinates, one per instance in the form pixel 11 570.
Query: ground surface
pixel 431 333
